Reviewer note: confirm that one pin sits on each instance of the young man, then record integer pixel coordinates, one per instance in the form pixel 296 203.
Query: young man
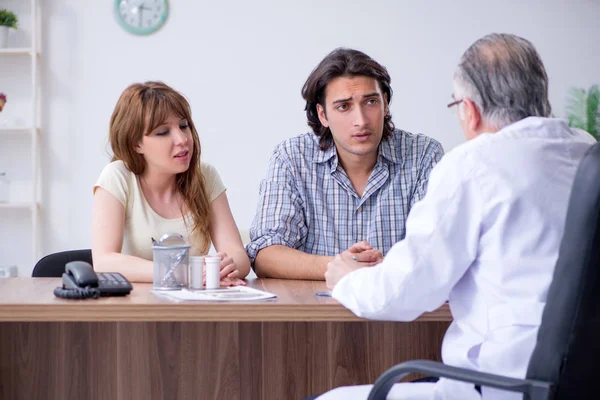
pixel 353 178
pixel 486 235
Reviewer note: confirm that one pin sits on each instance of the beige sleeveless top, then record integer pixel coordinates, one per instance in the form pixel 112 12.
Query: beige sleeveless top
pixel 141 222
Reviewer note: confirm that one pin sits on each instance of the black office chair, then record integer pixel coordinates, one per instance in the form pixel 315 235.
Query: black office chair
pixel 53 265
pixel 564 363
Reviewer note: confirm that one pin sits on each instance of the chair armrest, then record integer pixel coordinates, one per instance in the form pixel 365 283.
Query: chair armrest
pixel 534 390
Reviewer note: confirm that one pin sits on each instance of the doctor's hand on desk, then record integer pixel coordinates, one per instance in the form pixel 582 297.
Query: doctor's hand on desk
pixel 358 256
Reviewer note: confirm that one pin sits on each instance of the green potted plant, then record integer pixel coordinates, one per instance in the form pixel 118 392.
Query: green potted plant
pixel 583 110
pixel 8 19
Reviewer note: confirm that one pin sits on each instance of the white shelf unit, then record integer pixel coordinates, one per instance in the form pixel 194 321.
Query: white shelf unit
pixel 33 129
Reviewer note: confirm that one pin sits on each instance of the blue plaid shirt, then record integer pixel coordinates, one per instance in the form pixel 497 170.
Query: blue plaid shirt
pixel 307 202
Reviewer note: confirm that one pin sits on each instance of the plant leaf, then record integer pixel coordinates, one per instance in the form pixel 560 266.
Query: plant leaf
pixel 576 108
pixel 592 110
pixel 8 18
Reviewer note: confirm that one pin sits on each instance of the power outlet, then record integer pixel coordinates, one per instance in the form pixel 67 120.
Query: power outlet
pixel 7 271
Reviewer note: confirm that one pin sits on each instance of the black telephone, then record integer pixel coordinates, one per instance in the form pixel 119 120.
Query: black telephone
pixel 81 282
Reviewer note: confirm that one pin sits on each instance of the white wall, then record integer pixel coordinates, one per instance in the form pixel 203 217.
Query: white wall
pixel 242 65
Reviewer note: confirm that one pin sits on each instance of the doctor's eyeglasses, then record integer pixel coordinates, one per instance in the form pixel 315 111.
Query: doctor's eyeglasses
pixel 455 102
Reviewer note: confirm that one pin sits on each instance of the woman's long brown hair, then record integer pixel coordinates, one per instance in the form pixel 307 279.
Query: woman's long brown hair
pixel 141 108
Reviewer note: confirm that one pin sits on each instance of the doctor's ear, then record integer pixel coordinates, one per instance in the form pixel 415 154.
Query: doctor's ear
pixel 461 111
pixel 469 112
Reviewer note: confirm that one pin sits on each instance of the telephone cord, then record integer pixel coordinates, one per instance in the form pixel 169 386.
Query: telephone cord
pixel 79 293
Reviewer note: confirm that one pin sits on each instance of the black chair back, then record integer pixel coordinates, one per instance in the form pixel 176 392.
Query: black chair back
pixel 567 352
pixel 53 265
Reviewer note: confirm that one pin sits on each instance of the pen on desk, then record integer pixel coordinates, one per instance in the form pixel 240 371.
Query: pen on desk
pixel 323 294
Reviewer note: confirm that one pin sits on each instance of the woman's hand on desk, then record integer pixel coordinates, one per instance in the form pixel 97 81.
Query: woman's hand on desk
pixel 229 271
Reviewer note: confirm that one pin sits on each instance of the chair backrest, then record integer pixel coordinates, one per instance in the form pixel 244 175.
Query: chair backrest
pixel 53 265
pixel 567 351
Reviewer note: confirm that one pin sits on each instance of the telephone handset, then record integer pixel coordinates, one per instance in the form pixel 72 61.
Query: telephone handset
pixel 79 274
pixel 80 282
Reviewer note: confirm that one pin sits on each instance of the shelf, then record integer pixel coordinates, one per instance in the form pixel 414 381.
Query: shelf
pixel 14 133
pixel 16 51
pixel 5 130
pixel 17 206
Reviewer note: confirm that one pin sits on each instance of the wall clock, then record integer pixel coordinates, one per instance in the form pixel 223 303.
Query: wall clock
pixel 141 17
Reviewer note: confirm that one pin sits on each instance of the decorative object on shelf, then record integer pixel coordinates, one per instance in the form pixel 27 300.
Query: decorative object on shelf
pixel 7 20
pixel 141 17
pixel 2 101
pixel 4 188
pixel 8 271
pixel 583 110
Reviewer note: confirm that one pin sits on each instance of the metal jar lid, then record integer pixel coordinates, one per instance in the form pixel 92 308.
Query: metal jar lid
pixel 170 241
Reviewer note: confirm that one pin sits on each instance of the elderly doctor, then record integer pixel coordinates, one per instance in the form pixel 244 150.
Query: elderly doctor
pixel 486 235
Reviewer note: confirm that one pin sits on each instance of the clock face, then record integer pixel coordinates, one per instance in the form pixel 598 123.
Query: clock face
pixel 141 17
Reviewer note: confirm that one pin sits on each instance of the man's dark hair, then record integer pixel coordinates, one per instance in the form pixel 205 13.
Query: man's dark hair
pixel 346 63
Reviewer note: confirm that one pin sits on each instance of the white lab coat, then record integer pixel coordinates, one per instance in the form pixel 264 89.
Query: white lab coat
pixel 485 238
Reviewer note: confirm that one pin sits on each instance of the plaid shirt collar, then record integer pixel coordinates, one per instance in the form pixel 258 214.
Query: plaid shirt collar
pixel 387 150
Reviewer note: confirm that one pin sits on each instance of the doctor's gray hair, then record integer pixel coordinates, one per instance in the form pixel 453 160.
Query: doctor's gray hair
pixel 505 77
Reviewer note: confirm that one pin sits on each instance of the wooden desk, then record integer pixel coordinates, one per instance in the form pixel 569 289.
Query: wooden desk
pixel 145 347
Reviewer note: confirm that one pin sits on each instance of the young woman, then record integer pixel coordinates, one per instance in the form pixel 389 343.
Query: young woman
pixel 156 184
